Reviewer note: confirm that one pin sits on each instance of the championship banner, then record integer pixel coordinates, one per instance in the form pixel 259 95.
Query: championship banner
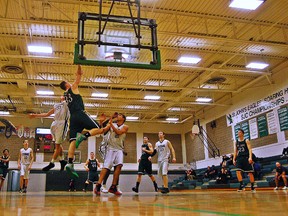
pixel 266 104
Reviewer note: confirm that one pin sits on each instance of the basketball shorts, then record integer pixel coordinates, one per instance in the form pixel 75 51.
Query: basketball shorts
pixel 24 170
pixel 113 158
pixel 79 121
pixel 93 177
pixel 3 172
pixel 145 166
pixel 242 164
pixel 163 167
pixel 59 130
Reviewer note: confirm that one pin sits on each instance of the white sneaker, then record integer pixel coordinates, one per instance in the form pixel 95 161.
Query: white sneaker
pixel 104 189
pixel 284 188
pixel 118 189
pixel 276 188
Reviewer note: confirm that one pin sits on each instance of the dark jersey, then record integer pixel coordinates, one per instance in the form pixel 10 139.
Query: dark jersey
pixel 145 155
pixel 4 164
pixel 74 101
pixel 242 148
pixel 92 165
pixel 280 169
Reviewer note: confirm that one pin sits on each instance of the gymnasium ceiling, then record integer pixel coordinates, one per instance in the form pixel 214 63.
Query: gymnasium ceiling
pixel 226 39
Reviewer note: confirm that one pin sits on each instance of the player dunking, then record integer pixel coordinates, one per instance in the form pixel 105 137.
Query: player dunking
pixel 145 165
pixel 243 160
pixel 79 118
pixel 59 129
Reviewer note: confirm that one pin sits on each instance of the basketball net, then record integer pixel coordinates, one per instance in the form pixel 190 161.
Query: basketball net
pixel 114 71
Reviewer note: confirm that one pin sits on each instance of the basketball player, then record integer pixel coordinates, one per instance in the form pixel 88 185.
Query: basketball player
pixel 59 129
pixel 114 154
pixel 79 118
pixel 4 164
pixel 280 173
pixel 145 165
pixel 164 149
pixel 25 161
pixel 91 166
pixel 243 160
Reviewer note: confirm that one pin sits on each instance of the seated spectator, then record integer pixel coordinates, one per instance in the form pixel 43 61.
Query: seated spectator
pixel 224 176
pixel 285 152
pixel 280 173
pixel 206 174
pixel 214 172
pixel 211 172
pixel 190 174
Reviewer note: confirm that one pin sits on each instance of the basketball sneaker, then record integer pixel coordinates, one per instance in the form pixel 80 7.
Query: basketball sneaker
pixel 79 138
pixel 284 188
pixel 135 189
pixel 71 171
pixel 276 188
pixel 21 191
pixel 97 189
pixel 63 164
pixel 241 188
pixel 104 189
pixel 253 190
pixel 118 188
pixel 113 189
pixel 50 166
pixel 165 190
pixel 24 190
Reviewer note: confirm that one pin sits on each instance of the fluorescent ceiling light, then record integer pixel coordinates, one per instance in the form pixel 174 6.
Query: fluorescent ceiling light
pixel 94 116
pixel 102 95
pixel 4 113
pixel 189 60
pixel 132 117
pixel 172 119
pixel 257 65
pixel 152 97
pixel 246 4
pixel 40 92
pixel 200 99
pixel 174 109
pixel 40 49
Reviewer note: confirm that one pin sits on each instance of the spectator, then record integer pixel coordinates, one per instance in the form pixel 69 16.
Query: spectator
pixel 211 172
pixel 280 173
pixel 224 176
pixel 190 174
pixel 206 174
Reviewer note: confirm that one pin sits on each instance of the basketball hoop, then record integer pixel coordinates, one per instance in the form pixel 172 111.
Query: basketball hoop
pixel 114 71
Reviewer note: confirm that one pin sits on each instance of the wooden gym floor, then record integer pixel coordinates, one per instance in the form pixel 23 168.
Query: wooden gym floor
pixel 196 202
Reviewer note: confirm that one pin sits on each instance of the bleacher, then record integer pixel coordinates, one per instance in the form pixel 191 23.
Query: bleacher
pixel 266 180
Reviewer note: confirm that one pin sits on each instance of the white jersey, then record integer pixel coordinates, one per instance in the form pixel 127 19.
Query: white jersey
pixel 163 150
pixel 116 141
pixel 25 156
pixel 61 112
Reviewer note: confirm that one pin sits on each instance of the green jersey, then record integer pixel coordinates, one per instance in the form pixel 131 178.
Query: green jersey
pixel 74 101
